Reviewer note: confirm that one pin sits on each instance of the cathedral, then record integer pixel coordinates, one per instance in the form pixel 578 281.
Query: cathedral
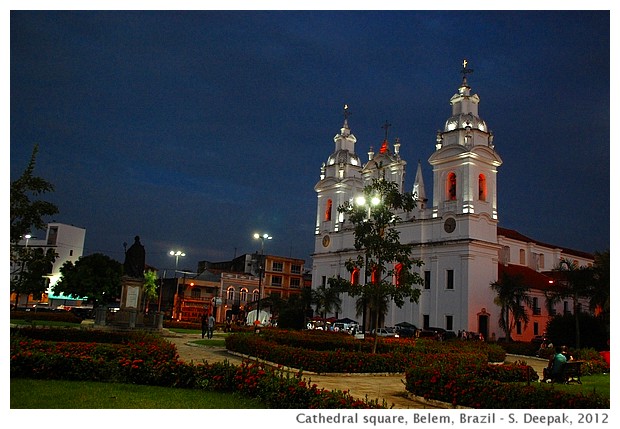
pixel 456 236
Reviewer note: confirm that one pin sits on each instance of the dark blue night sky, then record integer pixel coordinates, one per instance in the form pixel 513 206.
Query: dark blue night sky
pixel 194 129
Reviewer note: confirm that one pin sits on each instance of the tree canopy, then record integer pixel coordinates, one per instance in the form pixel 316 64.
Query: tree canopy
pixel 95 277
pixel 27 213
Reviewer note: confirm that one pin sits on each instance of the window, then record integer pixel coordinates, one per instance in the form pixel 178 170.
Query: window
pixel 243 294
pixel 277 266
pixel 536 328
pixel 276 281
pixel 255 295
pixel 328 210
pixel 71 252
pixel 295 269
pixel 427 279
pixel 449 321
pixel 195 292
pixel 397 272
pixel 522 256
pixel 449 279
pixel 230 293
pixel 355 276
pixel 451 187
pixel 519 330
pixel 541 261
pixel 535 307
pixel 295 282
pixel 426 321
pixel 482 188
pixel 52 236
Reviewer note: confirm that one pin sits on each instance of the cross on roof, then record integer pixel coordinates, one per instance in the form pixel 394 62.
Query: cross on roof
pixel 465 71
pixel 386 126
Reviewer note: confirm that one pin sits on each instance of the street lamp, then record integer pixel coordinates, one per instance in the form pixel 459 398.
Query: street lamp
pixel 262 238
pixel 176 254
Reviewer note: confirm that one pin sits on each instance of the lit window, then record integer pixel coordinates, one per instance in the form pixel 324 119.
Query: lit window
pixel 397 271
pixel 451 187
pixel 355 276
pixel 482 187
pixel 328 210
pixel 230 293
pixel 243 294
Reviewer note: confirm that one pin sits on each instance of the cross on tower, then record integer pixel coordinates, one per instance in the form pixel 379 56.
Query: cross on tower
pixel 465 71
pixel 347 113
pixel 386 126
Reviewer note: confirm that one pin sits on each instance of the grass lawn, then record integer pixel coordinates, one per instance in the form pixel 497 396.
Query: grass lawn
pixel 599 383
pixel 48 394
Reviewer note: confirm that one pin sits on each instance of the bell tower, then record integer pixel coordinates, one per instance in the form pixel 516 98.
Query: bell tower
pixel 465 161
pixel 341 179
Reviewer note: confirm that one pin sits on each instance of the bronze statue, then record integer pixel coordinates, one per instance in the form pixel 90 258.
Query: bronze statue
pixel 135 260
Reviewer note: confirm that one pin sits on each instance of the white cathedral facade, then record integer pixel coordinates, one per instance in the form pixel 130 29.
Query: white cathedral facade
pixel 457 236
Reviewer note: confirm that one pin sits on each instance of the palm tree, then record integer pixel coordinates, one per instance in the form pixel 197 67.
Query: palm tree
pixel 326 299
pixel 512 297
pixel 575 283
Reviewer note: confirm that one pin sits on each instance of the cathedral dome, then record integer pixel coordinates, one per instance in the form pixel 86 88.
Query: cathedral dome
pixel 343 156
pixel 463 120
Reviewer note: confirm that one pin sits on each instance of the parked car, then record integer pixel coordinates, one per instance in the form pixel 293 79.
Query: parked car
pixel 406 332
pixel 385 332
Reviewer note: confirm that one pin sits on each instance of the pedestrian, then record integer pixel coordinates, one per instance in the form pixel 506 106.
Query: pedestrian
pixel 203 323
pixel 211 326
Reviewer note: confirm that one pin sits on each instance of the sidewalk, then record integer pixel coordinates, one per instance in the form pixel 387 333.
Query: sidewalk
pixel 390 388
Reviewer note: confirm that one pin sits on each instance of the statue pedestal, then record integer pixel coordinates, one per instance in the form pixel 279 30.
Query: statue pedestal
pixel 130 313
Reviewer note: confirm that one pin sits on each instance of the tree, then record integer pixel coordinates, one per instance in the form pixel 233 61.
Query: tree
pixel 383 259
pixel 600 299
pixel 150 287
pixel 26 214
pixel 512 297
pixel 36 264
pixel 326 300
pixel 96 278
pixel 575 283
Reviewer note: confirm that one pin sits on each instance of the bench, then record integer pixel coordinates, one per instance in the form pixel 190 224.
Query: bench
pixel 570 372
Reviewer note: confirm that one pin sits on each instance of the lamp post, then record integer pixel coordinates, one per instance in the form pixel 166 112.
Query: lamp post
pixel 261 270
pixel 176 254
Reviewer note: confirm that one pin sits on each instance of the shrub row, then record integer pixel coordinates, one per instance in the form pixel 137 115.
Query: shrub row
pixel 151 360
pixel 342 359
pixel 487 387
pixel 52 316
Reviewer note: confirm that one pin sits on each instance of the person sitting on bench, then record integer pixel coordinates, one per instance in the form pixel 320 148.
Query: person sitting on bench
pixel 554 368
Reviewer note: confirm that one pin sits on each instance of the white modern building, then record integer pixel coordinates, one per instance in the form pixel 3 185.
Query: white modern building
pixel 456 235
pixel 68 243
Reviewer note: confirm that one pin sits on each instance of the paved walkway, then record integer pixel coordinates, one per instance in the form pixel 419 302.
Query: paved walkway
pixel 390 388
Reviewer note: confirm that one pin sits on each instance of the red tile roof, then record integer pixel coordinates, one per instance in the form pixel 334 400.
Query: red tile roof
pixel 532 278
pixel 516 235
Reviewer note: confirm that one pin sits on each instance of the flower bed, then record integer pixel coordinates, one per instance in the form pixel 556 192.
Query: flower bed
pixel 149 359
pixel 491 386
pixel 333 353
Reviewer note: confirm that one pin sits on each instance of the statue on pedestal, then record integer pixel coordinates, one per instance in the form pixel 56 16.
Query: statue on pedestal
pixel 135 260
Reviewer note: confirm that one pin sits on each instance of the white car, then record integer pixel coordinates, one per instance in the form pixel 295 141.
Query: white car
pixel 385 332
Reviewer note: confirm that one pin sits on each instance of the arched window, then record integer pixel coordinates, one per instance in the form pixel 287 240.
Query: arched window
pixel 451 187
pixel 398 268
pixel 255 295
pixel 243 295
pixel 374 276
pixel 355 276
pixel 482 187
pixel 230 293
pixel 328 210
